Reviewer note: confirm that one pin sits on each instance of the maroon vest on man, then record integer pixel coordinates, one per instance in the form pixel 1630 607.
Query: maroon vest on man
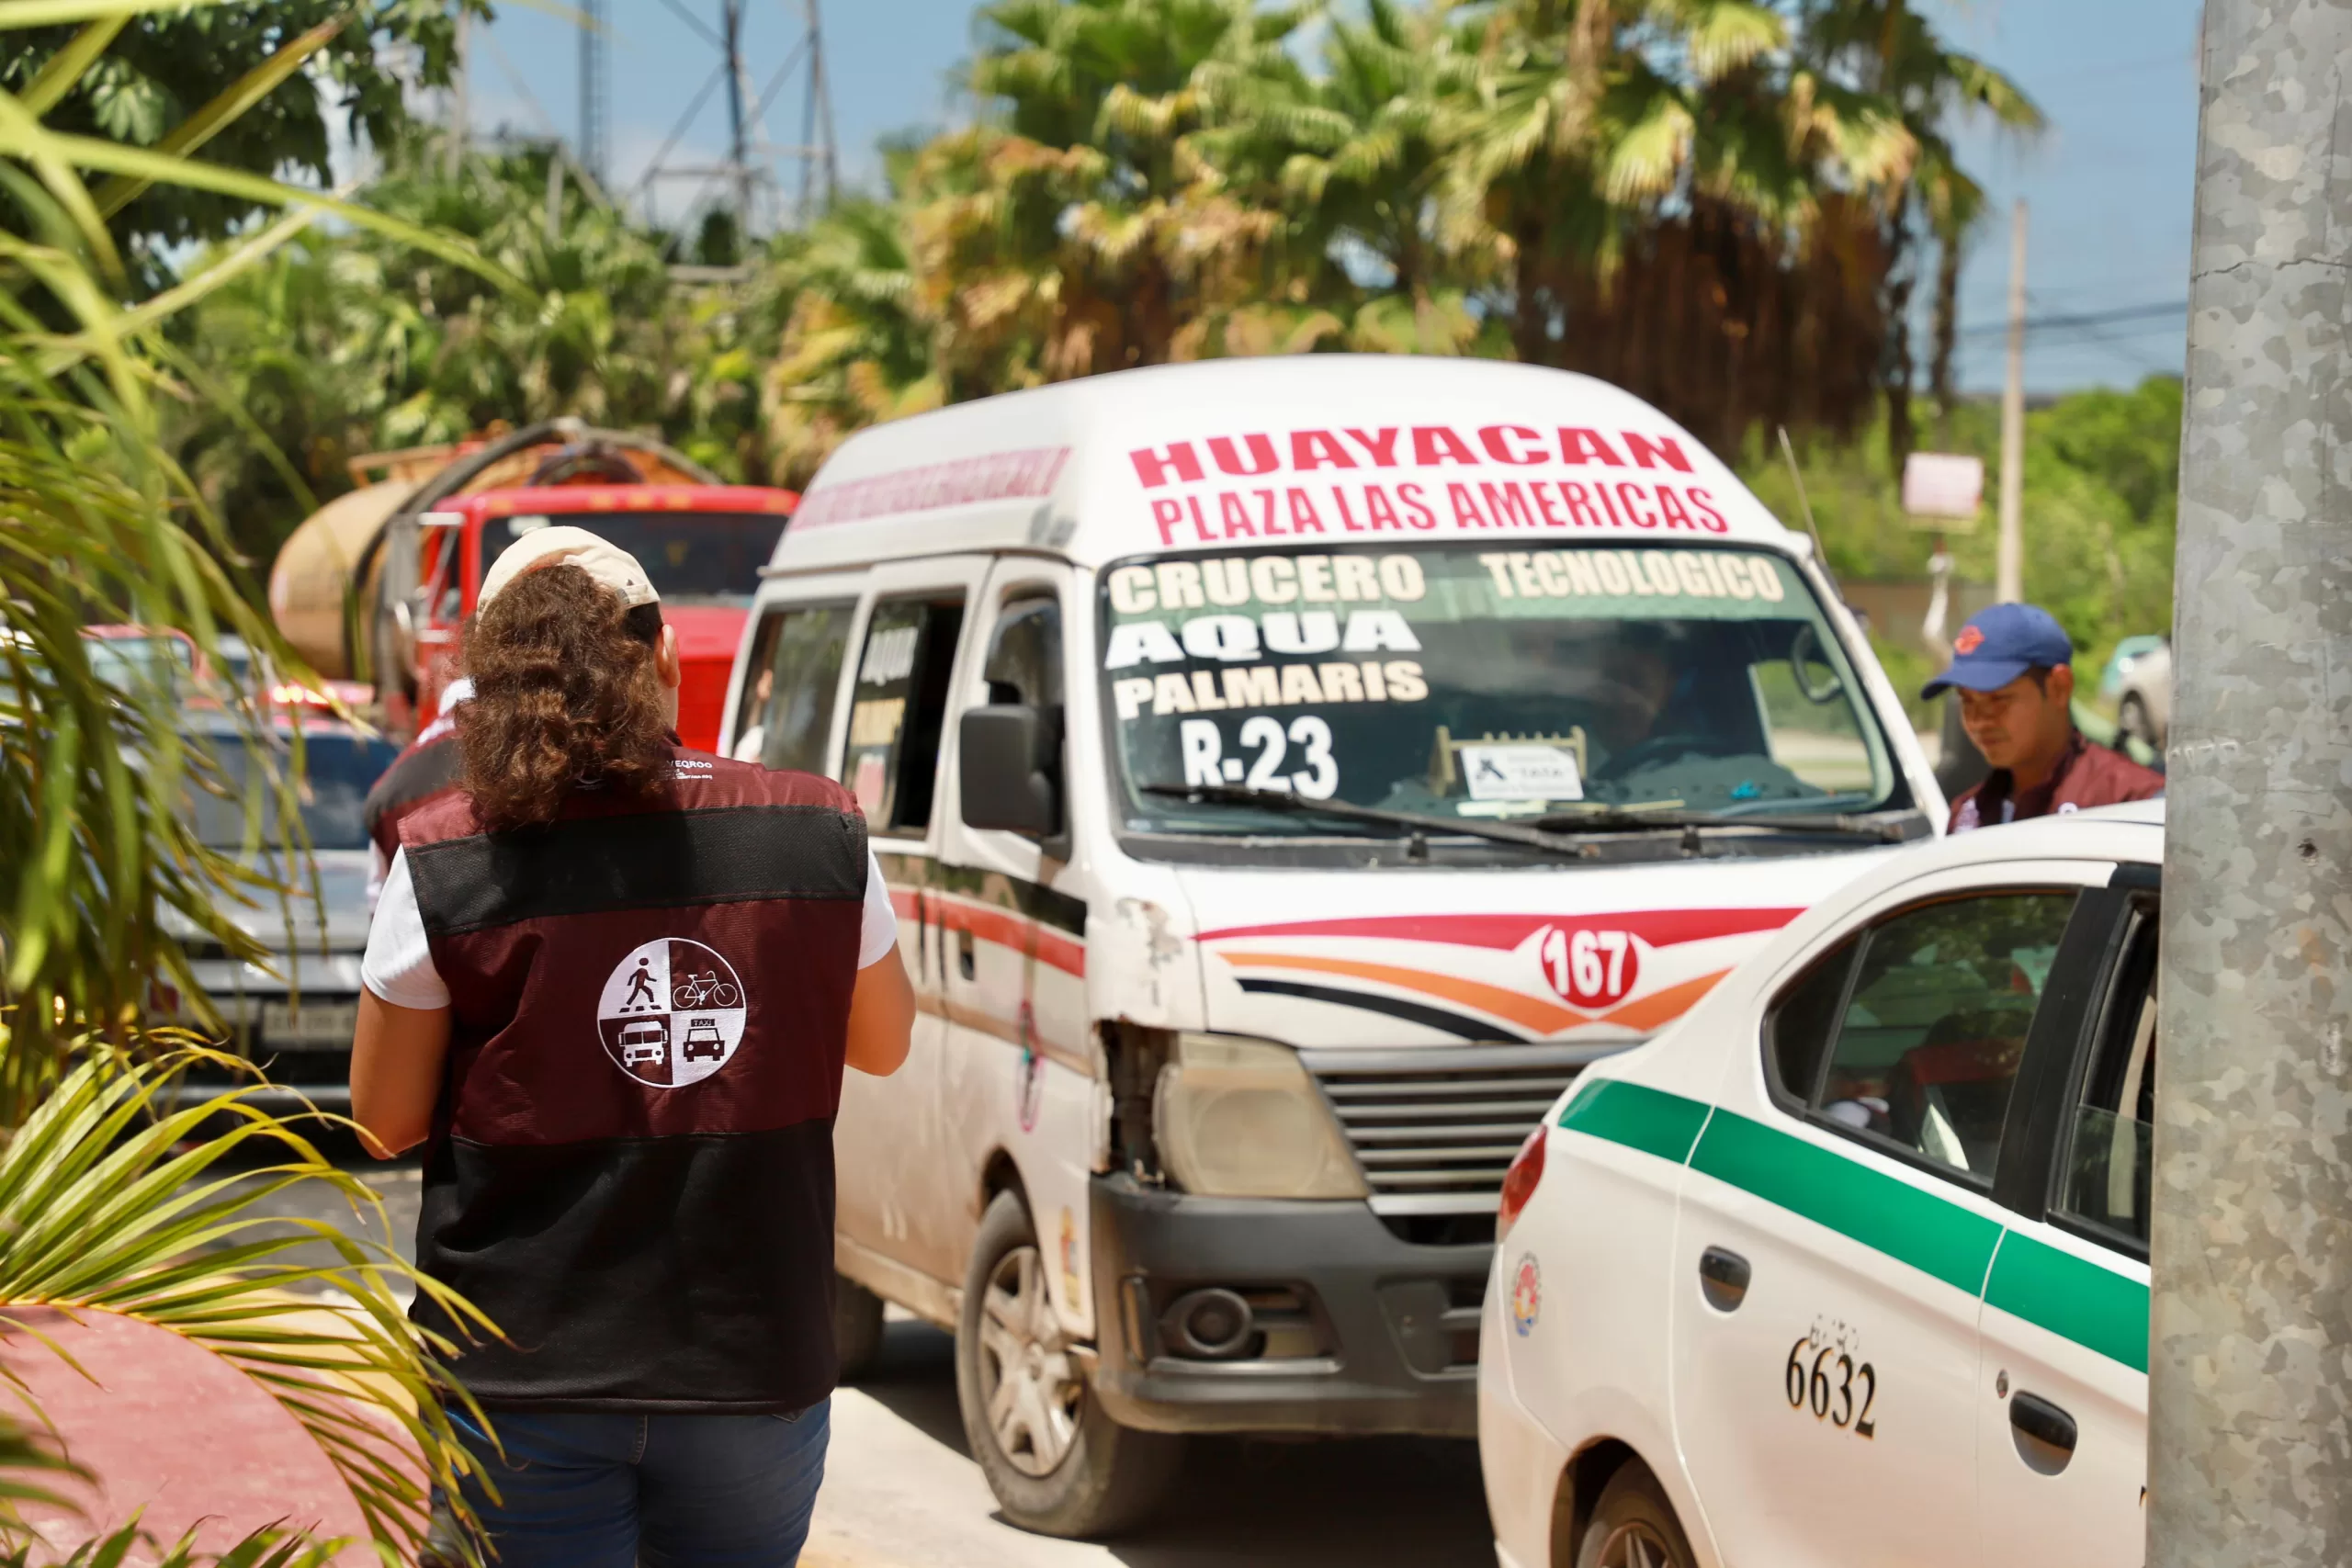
pixel 424 772
pixel 632 1171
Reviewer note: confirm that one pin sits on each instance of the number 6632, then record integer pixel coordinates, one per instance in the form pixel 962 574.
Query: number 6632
pixel 1833 1385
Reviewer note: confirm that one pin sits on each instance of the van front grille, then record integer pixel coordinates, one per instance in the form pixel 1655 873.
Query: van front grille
pixel 1434 1130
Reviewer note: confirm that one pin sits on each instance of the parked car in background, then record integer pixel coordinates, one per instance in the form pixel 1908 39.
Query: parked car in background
pixel 2120 662
pixel 2144 696
pixel 292 1013
pixel 1849 1266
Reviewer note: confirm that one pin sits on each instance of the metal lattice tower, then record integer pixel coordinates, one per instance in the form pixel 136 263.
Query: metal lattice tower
pixel 595 88
pixel 747 180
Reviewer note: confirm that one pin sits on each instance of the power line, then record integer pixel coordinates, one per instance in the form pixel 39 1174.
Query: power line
pixel 2088 321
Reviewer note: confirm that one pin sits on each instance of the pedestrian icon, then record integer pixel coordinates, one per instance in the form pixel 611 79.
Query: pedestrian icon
pixel 640 985
pixel 672 1013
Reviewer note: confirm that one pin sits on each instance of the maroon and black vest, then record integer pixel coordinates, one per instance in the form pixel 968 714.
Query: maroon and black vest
pixel 426 770
pixel 632 1171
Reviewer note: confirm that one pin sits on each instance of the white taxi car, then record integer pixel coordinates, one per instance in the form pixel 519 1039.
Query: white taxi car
pixel 1849 1266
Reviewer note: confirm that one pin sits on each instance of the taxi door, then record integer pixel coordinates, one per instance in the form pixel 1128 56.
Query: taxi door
pixel 2062 1442
pixel 1837 1222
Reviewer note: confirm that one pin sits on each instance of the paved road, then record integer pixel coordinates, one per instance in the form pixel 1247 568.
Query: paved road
pixel 901 1490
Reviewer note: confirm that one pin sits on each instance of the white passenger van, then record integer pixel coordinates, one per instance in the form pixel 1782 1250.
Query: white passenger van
pixel 1289 774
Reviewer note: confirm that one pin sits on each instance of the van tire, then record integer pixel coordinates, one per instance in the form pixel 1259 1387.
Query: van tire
pixel 1111 1476
pixel 1634 1525
pixel 857 1327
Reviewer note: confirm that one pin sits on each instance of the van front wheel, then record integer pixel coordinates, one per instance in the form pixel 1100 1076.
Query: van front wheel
pixel 1056 1463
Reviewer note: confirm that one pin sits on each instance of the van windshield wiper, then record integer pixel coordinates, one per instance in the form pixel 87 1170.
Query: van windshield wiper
pixel 1616 819
pixel 1412 822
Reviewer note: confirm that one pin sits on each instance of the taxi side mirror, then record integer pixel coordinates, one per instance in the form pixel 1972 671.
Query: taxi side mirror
pixel 1009 768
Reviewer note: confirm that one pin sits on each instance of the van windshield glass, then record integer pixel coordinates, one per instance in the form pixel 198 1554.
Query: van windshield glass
pixel 1469 683
pixel 693 558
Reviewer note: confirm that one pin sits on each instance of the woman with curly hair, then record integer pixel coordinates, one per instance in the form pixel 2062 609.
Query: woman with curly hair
pixel 611 986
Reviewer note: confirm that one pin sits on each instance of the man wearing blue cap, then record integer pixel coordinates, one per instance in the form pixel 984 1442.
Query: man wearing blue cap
pixel 2014 667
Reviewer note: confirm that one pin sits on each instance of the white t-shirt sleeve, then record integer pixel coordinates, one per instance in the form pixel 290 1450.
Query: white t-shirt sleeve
pixel 880 933
pixel 398 965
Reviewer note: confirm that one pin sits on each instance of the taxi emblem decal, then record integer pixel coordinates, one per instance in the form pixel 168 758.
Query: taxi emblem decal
pixel 672 1013
pixel 1526 1294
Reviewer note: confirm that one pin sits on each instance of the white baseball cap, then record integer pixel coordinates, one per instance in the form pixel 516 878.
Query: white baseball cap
pixel 607 562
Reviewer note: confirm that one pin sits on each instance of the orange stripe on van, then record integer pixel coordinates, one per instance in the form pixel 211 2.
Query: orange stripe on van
pixel 1532 1012
pixel 990 922
pixel 1661 1007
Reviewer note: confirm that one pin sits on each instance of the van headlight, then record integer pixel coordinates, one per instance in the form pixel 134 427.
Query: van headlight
pixel 1239 1118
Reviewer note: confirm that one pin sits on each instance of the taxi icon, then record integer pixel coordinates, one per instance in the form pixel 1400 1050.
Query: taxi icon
pixel 703 1040
pixel 646 1043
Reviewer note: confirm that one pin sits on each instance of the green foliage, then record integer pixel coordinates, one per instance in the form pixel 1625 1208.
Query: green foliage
pixel 110 1198
pixel 1711 202
pixel 2101 476
pixel 130 1544
pixel 162 66
pixel 345 343
pixel 111 1201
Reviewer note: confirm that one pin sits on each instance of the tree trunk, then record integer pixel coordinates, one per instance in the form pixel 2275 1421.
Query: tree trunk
pixel 1902 437
pixel 1947 332
pixel 1529 338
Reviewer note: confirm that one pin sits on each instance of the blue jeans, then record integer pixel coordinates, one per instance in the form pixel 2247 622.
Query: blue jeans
pixel 663 1490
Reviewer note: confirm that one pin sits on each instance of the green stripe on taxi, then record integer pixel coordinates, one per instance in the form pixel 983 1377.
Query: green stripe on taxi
pixel 2078 1300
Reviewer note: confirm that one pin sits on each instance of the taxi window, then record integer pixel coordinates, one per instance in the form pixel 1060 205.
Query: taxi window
pixel 1934 1025
pixel 1798 1033
pixel 2103 1185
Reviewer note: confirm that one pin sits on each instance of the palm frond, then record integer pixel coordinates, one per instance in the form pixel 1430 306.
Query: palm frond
pixel 112 1200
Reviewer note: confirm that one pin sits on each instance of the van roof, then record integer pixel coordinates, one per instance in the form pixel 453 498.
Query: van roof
pixel 1245 453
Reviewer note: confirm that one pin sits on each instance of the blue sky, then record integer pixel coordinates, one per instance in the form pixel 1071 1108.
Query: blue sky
pixel 2108 186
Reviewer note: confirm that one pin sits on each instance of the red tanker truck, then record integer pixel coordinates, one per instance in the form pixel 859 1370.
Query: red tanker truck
pixel 377 584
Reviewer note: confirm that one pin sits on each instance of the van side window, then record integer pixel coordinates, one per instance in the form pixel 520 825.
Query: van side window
pixel 2103 1178
pixel 793 682
pixel 1024 661
pixel 899 710
pixel 1928 1040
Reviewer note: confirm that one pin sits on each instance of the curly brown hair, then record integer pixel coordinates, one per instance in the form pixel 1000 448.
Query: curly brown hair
pixel 565 694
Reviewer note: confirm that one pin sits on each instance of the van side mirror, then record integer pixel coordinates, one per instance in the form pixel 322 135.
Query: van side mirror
pixel 1010 769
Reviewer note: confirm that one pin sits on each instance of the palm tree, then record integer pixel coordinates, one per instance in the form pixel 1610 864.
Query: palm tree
pixel 1684 205
pixel 1890 45
pixel 1353 160
pixel 857 345
pixel 1083 209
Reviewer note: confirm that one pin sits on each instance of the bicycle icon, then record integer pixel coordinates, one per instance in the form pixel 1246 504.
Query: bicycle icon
pixel 704 991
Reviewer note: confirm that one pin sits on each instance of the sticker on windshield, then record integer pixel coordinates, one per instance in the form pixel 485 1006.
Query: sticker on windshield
pixel 672 1013
pixel 1522 772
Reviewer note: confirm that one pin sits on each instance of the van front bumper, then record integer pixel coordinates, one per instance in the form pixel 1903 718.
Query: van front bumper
pixel 1363 1331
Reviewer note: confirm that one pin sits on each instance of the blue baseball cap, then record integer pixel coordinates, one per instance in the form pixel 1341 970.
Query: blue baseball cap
pixel 2000 644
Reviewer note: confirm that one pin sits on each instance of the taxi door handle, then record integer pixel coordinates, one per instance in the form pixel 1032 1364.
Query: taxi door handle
pixel 1722 1277
pixel 2043 1433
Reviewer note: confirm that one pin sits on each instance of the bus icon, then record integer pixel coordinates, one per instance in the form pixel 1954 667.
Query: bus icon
pixel 646 1043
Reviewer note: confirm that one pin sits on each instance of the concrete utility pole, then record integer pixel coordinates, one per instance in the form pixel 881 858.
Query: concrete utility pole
pixel 2009 567
pixel 2250 1364
pixel 461 94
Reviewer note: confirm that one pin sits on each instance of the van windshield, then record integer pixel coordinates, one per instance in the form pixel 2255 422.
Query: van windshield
pixel 1469 683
